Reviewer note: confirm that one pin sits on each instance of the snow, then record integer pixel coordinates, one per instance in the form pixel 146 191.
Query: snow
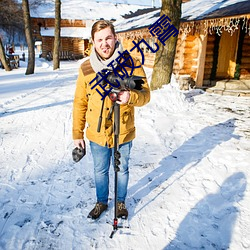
pixel 156 3
pixel 192 10
pixel 86 10
pixel 84 33
pixel 189 169
pixel 93 10
pixel 137 22
pixel 196 9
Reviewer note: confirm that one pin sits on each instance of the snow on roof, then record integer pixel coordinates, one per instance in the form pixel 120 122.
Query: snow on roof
pixel 192 10
pixel 137 22
pixel 80 32
pixel 85 10
pixel 197 9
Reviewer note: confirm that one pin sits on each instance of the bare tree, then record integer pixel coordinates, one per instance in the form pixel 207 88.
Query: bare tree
pixel 56 59
pixel 11 24
pixel 11 16
pixel 164 58
pixel 28 33
pixel 3 57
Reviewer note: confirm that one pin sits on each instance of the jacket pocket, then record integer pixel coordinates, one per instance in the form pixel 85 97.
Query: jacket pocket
pixel 126 119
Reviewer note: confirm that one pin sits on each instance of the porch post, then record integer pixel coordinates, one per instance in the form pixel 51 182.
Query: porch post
pixel 201 60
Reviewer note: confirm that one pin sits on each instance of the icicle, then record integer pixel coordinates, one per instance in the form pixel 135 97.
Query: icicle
pixel 217 25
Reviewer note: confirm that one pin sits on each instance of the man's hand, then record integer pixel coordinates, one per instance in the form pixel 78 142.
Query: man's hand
pixel 123 97
pixel 79 151
pixel 79 143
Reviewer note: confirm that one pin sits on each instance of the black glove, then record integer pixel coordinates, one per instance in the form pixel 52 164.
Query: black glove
pixel 78 153
pixel 138 84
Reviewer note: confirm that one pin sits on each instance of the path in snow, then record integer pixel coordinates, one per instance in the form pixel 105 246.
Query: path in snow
pixel 189 171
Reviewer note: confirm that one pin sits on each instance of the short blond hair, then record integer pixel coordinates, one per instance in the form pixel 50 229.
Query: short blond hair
pixel 100 25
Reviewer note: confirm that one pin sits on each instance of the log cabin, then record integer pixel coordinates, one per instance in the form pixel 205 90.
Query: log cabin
pixel 74 37
pixel 213 45
pixel 77 18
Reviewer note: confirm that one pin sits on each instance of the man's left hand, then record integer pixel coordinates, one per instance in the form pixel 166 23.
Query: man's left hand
pixel 123 97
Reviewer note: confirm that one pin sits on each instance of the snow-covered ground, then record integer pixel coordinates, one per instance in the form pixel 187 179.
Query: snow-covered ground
pixel 189 170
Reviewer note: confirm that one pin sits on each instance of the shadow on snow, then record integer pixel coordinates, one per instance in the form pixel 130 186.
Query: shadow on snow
pixel 210 223
pixel 23 110
pixel 207 213
pixel 190 153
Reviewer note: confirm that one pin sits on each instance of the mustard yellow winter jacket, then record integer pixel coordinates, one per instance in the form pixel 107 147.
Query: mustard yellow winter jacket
pixel 87 106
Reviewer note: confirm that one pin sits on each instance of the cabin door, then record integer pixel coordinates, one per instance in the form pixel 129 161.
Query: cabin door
pixel 227 54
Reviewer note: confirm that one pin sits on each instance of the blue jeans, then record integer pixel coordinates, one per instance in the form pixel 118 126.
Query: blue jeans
pixel 102 158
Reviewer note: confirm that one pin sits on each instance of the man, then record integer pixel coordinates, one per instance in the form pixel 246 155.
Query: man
pixel 87 106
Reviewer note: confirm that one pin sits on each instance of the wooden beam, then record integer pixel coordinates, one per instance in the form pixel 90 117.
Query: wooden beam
pixel 201 60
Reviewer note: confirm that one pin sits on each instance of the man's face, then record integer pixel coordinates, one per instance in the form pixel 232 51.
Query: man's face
pixel 104 42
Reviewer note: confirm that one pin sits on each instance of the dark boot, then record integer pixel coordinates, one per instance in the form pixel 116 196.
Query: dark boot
pixel 97 210
pixel 122 211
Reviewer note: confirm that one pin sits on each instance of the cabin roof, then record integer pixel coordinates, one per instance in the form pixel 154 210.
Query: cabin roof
pixel 207 9
pixel 85 10
pixel 193 10
pixel 137 22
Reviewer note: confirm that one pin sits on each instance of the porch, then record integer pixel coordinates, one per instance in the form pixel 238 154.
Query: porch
pixel 231 87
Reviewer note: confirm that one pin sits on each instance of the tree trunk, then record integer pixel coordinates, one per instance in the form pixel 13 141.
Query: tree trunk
pixel 3 57
pixel 29 38
pixel 56 59
pixel 164 59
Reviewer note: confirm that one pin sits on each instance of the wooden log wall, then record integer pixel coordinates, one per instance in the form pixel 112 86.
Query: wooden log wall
pixel 66 44
pixel 79 46
pixel 245 60
pixel 178 61
pixel 127 43
pixel 190 56
pixel 209 57
pixel 73 45
pixel 186 55
pixel 47 45
pixel 50 22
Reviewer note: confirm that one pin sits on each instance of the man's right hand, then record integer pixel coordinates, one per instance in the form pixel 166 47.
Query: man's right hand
pixel 78 152
pixel 79 143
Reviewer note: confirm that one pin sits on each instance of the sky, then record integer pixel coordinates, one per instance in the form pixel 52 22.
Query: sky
pixel 189 169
